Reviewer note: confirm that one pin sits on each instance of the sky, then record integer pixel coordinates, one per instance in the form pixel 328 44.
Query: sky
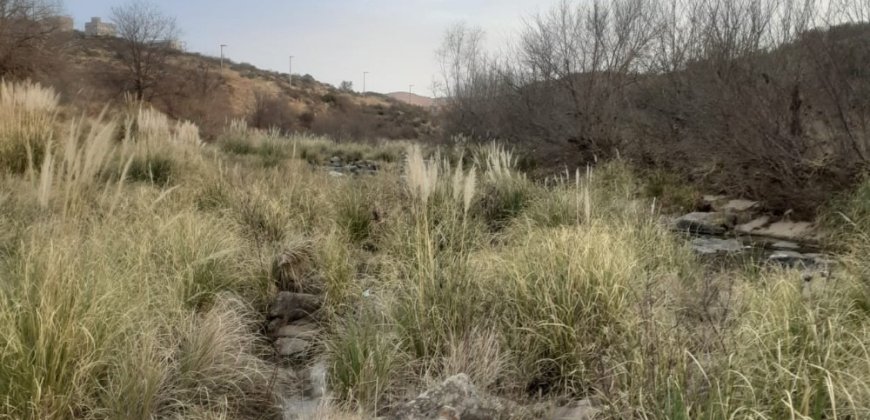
pixel 333 40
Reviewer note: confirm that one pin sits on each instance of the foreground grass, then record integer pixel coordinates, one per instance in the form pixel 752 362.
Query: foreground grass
pixel 135 264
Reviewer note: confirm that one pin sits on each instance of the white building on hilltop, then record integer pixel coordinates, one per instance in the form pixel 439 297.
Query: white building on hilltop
pixel 96 27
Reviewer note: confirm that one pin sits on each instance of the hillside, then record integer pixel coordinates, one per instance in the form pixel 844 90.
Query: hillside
pixel 91 72
pixel 417 100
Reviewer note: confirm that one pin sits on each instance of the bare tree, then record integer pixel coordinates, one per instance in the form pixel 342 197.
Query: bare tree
pixel 25 28
pixel 149 37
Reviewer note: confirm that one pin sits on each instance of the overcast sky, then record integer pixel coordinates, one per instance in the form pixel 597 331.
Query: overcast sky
pixel 333 40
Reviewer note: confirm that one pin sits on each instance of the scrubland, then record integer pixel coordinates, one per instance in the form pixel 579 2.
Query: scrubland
pixel 136 264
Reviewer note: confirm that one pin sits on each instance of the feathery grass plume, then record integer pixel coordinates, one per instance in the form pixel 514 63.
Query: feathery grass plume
pixel 27 97
pixel 468 188
pixel 505 192
pixel 152 126
pixel 187 134
pixel 238 127
pixel 422 176
pixel 27 119
pixel 76 168
pixel 46 177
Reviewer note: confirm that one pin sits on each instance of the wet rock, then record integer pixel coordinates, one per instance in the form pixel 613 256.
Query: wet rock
pixel 291 347
pixel 710 246
pixel 456 398
pixel 713 223
pixel 289 307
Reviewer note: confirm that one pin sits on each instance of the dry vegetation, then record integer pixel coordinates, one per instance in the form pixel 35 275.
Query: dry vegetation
pixel 136 263
pixel 761 98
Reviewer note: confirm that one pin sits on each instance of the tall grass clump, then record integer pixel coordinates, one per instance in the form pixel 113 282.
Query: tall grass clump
pixel 439 295
pixel 504 191
pixel 122 300
pixel 27 121
pixel 366 362
pixel 158 150
pixel 90 321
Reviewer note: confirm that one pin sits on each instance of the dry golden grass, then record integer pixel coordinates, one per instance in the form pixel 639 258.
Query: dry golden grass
pixel 135 264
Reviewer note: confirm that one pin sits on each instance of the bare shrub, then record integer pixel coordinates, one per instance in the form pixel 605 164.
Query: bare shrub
pixel 148 35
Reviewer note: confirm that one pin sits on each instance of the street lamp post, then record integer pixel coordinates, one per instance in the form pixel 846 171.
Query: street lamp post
pixel 222 56
pixel 291 71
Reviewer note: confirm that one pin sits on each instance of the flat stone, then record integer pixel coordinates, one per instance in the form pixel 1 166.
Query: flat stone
pixel 790 259
pixel 336 174
pixel 456 398
pixel 713 223
pixel 739 206
pixel 580 410
pixel 304 330
pixel 790 231
pixel 291 307
pixel 709 246
pixel 754 225
pixel 290 347
pixel 713 200
pixel 786 245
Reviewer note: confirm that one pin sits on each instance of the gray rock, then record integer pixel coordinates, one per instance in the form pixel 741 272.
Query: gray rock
pixel 713 201
pixel 739 206
pixel 291 347
pixel 580 410
pixel 786 245
pixel 790 259
pixel 289 307
pixel 709 246
pixel 456 399
pixel 336 174
pixel 713 223
pixel 753 225
pixel 301 330
pixel 316 387
pixel 789 231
